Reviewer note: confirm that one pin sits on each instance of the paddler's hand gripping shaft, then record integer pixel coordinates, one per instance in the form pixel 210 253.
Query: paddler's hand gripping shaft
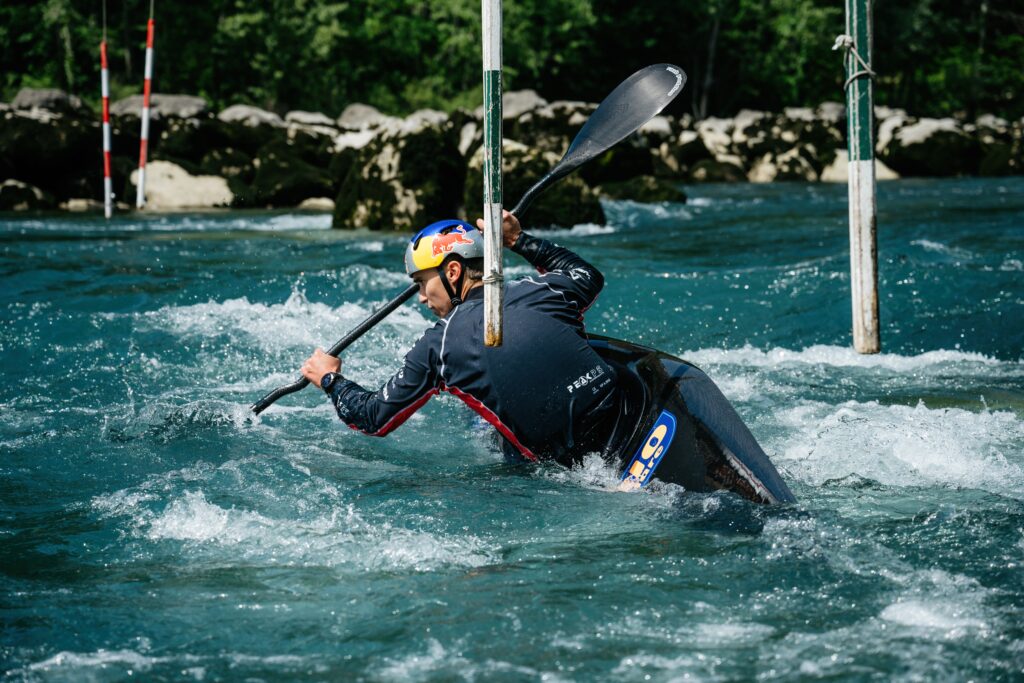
pixel 363 327
pixel 635 101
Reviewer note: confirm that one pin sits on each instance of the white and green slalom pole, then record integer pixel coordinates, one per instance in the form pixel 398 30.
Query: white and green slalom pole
pixel 493 273
pixel 863 208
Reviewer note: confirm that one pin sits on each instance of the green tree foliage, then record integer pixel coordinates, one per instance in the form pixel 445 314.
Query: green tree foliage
pixel 933 57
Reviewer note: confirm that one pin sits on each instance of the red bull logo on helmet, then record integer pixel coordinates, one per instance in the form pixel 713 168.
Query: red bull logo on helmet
pixel 442 244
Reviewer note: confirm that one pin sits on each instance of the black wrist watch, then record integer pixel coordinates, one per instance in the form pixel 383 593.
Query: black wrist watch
pixel 328 380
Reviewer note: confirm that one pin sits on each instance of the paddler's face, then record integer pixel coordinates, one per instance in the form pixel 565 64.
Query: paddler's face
pixel 432 294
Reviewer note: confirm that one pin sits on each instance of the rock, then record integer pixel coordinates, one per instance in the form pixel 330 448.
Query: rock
pixel 170 187
pixel 805 114
pixel 716 135
pixel 993 125
pixel 322 204
pixel 49 99
pixel 309 118
pixel 646 189
pixel 192 139
pixel 228 163
pixel 409 175
pixel 60 155
pixel 817 138
pixel 833 113
pixel 289 171
pixel 471 136
pixel 361 117
pixel 793 164
pixel 673 159
pixel 882 113
pixel 716 171
pixel 928 147
pixel 18 196
pixel 838 170
pixel 757 134
pixel 517 102
pixel 340 165
pixel 628 159
pixel 354 140
pixel 161 106
pixel 514 104
pixel 569 202
pixel 80 205
pixel 250 116
pixel 995 138
pixel 552 127
pixel 187 139
pixel 420 120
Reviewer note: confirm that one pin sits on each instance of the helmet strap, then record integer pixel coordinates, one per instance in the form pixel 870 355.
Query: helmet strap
pixel 453 294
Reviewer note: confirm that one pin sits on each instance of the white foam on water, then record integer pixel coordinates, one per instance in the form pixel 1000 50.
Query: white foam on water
pixel 441 663
pixel 99 659
pixel 959 362
pixel 1012 265
pixel 428 665
pixel 904 446
pixel 291 221
pixel 944 605
pixel 944 249
pixel 193 518
pixel 341 538
pixel 630 214
pixel 684 667
pixel 212 221
pixel 742 388
pixel 131 662
pixel 935 614
pixel 593 473
pixel 297 322
pixel 580 230
pixel 371 246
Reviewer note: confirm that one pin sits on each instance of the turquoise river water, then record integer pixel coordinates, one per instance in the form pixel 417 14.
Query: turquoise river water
pixel 151 528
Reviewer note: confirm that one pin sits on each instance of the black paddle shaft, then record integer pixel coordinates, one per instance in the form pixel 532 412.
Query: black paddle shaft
pixel 636 100
pixel 363 327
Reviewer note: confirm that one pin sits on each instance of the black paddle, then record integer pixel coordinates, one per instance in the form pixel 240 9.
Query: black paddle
pixel 636 100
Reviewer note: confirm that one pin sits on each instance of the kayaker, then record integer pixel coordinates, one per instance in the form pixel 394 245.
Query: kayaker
pixel 545 390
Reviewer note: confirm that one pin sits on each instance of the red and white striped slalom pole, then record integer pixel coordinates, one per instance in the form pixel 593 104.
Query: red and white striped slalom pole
pixel 108 193
pixel 140 188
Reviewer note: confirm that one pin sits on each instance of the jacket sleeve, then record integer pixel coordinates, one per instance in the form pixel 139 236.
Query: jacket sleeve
pixel 378 412
pixel 562 269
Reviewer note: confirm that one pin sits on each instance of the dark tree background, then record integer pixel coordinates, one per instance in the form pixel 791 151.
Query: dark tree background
pixel 933 57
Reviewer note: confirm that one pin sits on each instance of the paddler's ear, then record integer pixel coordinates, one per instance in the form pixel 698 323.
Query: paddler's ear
pixel 453 270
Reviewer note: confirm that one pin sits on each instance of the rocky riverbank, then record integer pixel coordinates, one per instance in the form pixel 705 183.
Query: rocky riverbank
pixel 382 172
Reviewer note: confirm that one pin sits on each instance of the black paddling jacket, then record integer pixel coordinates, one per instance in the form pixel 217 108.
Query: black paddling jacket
pixel 545 390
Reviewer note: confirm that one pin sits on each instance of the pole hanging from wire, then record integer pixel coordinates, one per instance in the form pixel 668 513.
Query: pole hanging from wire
pixel 108 195
pixel 140 187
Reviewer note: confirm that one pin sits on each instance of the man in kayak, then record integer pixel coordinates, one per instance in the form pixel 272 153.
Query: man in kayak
pixel 545 390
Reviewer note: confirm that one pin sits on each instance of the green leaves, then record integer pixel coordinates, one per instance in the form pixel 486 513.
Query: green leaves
pixel 933 56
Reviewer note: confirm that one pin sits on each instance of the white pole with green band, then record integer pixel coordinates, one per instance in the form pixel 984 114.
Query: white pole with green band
pixel 863 207
pixel 493 273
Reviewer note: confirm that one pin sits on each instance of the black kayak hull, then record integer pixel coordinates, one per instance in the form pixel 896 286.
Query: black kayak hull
pixel 676 426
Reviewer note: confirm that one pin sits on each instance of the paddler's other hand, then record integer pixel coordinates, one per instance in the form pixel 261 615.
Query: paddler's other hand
pixel 318 365
pixel 510 228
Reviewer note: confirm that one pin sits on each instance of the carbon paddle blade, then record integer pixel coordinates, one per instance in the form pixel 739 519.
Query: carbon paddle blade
pixel 635 101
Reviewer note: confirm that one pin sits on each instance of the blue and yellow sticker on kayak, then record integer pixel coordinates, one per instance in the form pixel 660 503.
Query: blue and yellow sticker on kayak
pixel 648 456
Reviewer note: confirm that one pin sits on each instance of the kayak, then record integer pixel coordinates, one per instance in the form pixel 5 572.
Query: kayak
pixel 676 426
